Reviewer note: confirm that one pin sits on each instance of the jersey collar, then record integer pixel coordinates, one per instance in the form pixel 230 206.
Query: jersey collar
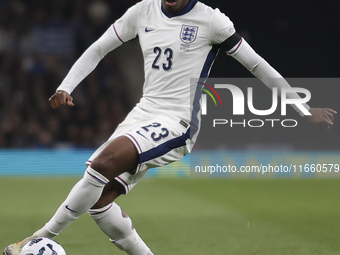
pixel 187 9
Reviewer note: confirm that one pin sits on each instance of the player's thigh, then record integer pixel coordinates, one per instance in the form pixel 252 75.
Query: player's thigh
pixel 131 121
pixel 158 142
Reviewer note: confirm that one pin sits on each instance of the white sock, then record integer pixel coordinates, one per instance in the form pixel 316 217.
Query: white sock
pixel 43 232
pixel 81 198
pixel 119 229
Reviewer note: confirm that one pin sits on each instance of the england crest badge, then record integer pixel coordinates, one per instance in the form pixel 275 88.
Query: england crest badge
pixel 188 33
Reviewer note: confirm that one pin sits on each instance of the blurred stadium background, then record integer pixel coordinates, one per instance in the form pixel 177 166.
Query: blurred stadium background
pixel 39 42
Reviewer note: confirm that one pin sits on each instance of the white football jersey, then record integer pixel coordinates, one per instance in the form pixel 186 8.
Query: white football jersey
pixel 175 49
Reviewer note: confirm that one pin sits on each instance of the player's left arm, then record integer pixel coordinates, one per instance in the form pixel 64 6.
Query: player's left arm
pixel 240 50
pixel 321 116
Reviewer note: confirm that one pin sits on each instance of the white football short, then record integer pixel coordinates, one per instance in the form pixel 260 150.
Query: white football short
pixel 159 140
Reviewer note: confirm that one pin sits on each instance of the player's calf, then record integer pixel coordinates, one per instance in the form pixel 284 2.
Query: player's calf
pixel 82 197
pixel 117 225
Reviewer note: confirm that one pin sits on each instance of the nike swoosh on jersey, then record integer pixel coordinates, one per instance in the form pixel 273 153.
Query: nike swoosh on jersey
pixel 70 209
pixel 149 30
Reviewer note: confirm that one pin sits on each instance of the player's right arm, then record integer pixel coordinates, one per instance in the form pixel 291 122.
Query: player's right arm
pixel 83 67
pixel 60 98
pixel 123 30
pixel 89 60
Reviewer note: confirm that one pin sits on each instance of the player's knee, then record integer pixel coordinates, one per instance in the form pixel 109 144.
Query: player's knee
pixel 101 163
pixel 118 157
pixel 106 165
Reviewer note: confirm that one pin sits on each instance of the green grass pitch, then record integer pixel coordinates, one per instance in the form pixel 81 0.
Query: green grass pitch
pixel 191 216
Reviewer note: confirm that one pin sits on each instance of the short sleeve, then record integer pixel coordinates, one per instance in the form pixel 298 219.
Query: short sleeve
pixel 221 27
pixel 126 26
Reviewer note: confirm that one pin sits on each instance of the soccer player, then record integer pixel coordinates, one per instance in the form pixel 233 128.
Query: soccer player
pixel 180 40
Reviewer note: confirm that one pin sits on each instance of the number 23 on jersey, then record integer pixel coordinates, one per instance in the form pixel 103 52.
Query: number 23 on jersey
pixel 167 66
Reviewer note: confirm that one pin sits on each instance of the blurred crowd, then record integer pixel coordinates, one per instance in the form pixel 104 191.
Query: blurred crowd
pixel 39 42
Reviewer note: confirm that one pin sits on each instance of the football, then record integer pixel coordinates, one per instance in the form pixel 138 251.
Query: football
pixel 42 246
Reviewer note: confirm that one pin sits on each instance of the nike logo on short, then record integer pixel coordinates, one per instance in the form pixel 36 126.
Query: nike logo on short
pixel 149 30
pixel 70 209
pixel 142 135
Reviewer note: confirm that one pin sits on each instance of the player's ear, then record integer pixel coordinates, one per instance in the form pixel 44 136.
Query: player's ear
pixel 231 42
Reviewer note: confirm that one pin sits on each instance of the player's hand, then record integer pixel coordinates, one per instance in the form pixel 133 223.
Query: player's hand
pixel 59 99
pixel 321 117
